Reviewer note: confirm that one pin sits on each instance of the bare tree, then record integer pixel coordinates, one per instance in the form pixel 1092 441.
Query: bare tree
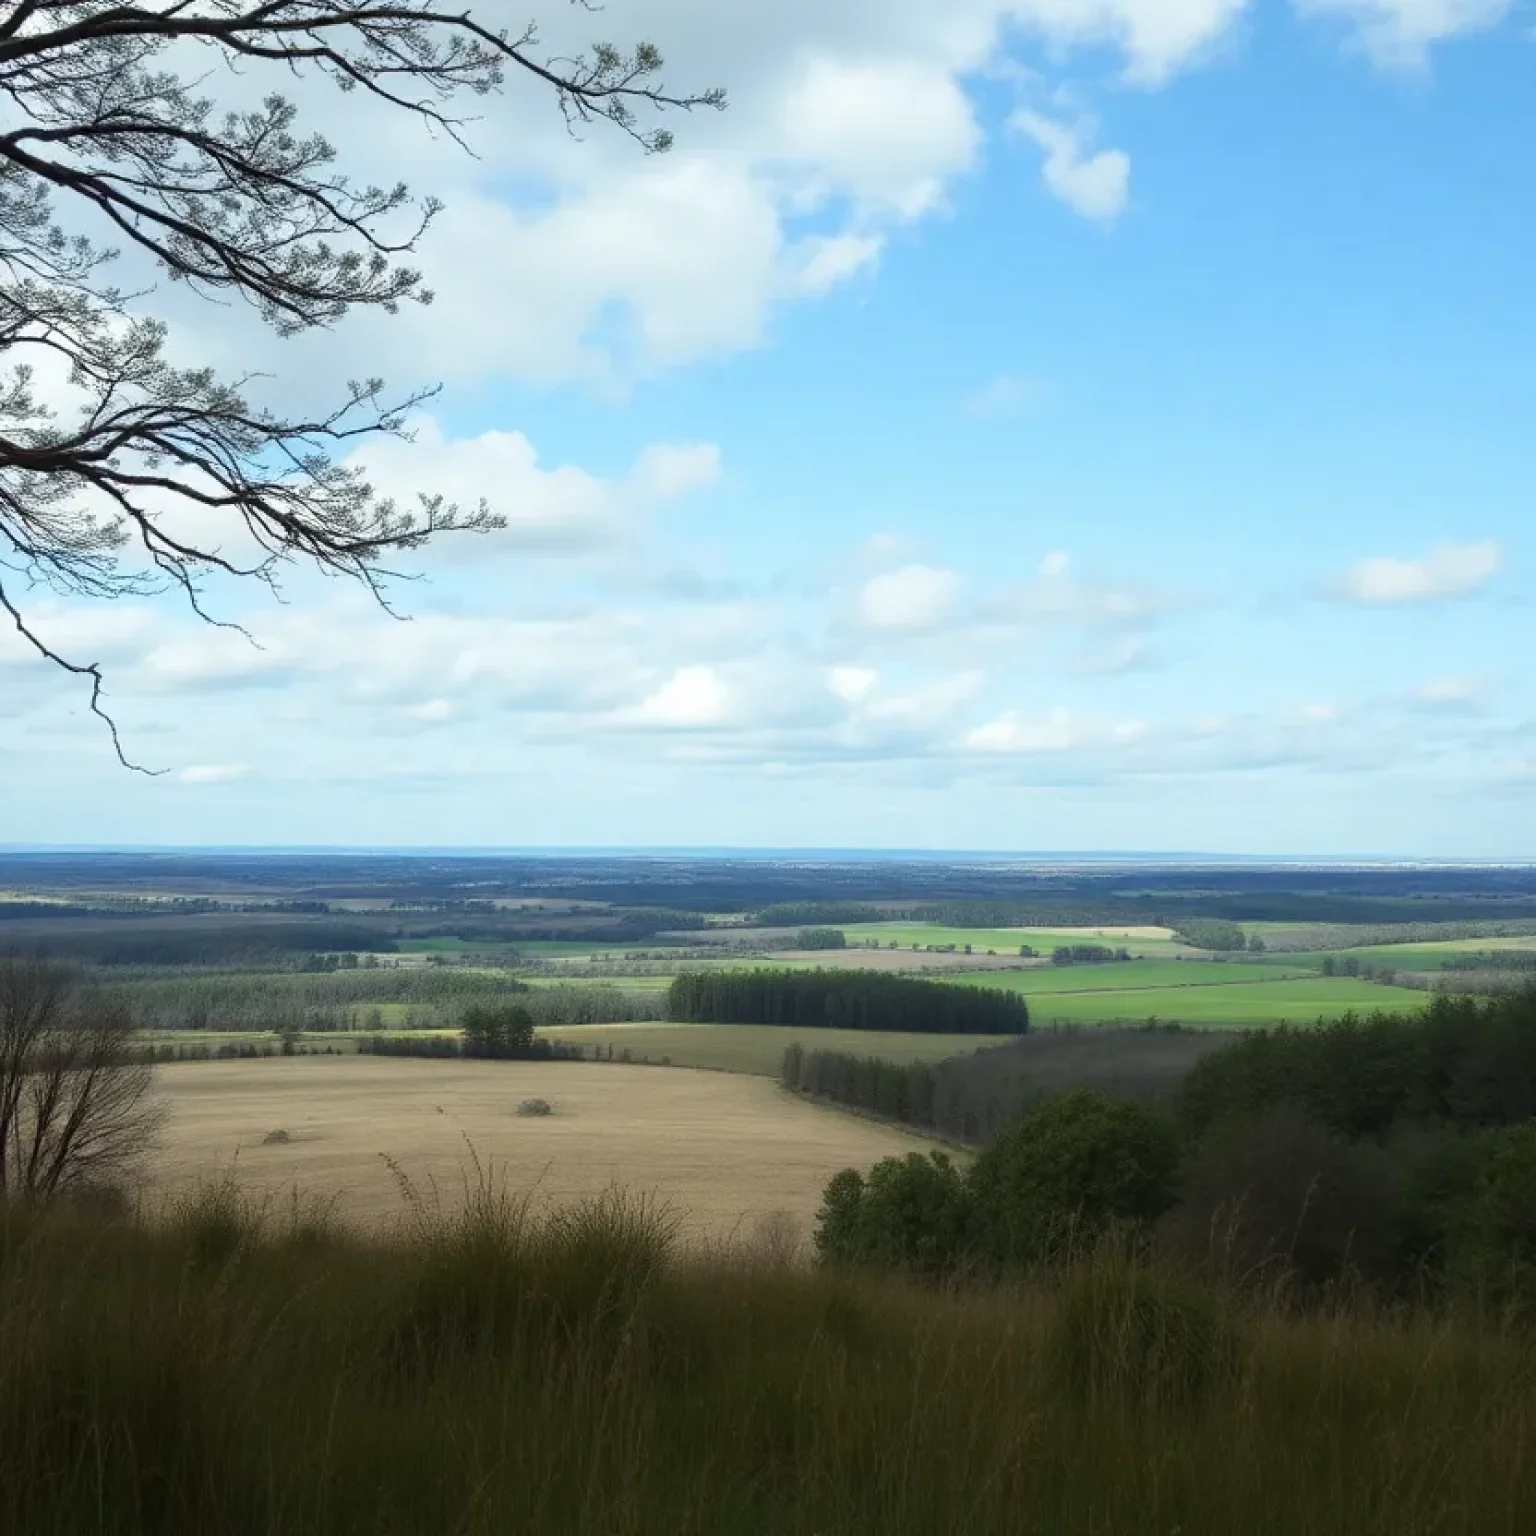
pixel 96 117
pixel 75 1110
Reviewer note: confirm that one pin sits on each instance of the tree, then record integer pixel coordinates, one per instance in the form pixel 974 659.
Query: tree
pixel 496 1029
pixel 74 1093
pixel 104 126
pixel 1075 1166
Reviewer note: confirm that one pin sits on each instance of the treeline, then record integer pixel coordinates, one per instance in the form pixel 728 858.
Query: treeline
pixel 1209 933
pixel 1083 954
pixel 843 1000
pixel 1492 960
pixel 176 943
pixel 1046 913
pixel 971 1098
pixel 813 914
pixel 1339 936
pixel 452 1047
pixel 1395 1154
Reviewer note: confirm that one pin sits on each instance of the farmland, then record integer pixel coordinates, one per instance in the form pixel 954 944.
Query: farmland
pixel 725 1149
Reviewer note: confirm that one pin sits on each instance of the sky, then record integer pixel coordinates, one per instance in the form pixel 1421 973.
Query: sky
pixel 1011 424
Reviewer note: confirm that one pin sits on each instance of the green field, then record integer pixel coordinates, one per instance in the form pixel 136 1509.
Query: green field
pixel 1430 956
pixel 1132 976
pixel 759 1048
pixel 1007 940
pixel 1301 1001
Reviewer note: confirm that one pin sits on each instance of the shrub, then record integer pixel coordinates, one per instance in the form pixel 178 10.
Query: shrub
pixel 1075 1166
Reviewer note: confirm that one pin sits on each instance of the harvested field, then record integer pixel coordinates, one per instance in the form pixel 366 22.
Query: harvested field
pixel 726 1150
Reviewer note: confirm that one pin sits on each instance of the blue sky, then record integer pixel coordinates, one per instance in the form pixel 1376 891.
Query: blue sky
pixel 1059 424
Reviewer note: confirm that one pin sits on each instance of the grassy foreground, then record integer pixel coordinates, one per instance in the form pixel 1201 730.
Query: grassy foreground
pixel 488 1373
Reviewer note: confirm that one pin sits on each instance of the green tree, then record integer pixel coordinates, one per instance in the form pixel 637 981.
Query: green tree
pixel 496 1030
pixel 1074 1166
pixel 911 1213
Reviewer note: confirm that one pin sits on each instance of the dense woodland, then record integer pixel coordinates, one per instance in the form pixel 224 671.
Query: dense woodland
pixel 843 1000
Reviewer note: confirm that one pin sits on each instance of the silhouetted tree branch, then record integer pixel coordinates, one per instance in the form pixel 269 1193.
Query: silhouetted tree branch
pixel 99 118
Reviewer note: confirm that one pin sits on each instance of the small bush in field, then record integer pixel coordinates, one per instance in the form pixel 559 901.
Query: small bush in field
pixel 535 1107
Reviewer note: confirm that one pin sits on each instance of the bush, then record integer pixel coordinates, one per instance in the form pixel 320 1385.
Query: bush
pixel 1491 1232
pixel 1075 1166
pixel 910 1213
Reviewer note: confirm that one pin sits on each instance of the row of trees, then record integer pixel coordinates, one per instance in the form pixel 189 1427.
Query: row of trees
pixel 1217 936
pixel 820 938
pixel 1398 1153
pixel 843 1000
pixel 1085 954
pixel 972 1097
pixel 815 914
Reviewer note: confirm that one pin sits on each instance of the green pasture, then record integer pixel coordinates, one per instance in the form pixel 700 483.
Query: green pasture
pixel 1132 976
pixel 1430 956
pixel 1305 1000
pixel 1007 940
pixel 758 1048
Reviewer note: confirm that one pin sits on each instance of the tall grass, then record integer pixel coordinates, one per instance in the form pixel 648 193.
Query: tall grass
pixel 494 1367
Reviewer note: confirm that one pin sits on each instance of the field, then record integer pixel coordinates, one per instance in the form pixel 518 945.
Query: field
pixel 1138 940
pixel 724 1149
pixel 1415 957
pixel 1303 1000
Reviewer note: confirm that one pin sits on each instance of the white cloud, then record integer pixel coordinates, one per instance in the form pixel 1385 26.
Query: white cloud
pixel 852 683
pixel 1002 398
pixel 557 510
pixel 692 698
pixel 1157 37
pixel 1093 183
pixel 1058 731
pixel 213 773
pixel 1452 692
pixel 915 597
pixel 1055 566
pixel 1319 713
pixel 1400 33
pixel 1446 571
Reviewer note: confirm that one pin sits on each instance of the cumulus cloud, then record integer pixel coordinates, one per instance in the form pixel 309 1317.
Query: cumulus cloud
pixel 915 597
pixel 1445 571
pixel 852 683
pixel 1093 183
pixel 692 698
pixel 1400 33
pixel 553 510
pixel 1060 730
pixel 213 773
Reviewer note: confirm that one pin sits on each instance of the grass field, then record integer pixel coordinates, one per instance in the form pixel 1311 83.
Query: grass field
pixel 724 1149
pixel 1301 1001
pixel 1429 956
pixel 1134 976
pixel 1139 941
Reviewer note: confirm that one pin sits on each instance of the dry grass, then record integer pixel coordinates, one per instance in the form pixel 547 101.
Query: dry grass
pixel 726 1150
